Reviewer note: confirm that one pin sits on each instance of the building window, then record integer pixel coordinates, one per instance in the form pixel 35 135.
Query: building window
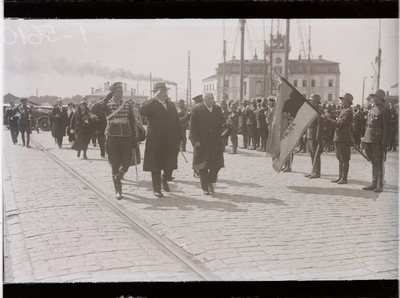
pixel 312 83
pixel 330 96
pixel 244 88
pixel 330 83
pixel 304 83
pixel 295 83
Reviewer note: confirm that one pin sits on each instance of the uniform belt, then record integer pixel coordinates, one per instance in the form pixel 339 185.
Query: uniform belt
pixel 118 121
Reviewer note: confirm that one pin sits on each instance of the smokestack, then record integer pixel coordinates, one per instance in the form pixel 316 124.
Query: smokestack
pixel 92 90
pixel 125 89
pixel 131 91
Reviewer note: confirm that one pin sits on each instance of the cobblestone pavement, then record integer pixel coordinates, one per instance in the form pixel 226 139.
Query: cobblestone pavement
pixel 259 225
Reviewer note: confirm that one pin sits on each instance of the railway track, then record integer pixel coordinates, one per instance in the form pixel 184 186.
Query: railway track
pixel 164 244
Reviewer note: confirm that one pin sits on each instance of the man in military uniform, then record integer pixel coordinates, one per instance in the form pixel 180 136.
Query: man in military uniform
pixel 233 120
pixel 376 138
pixel 357 125
pixel 183 121
pixel 343 137
pixel 315 134
pixel 120 133
pixel 242 124
pixel 251 124
pixel 262 128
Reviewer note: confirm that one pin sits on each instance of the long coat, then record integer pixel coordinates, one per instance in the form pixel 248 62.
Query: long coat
pixel 59 120
pixel 343 126
pixel 378 125
pixel 205 127
pixel 163 136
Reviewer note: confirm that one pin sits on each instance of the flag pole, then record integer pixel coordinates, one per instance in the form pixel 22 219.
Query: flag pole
pixel 297 91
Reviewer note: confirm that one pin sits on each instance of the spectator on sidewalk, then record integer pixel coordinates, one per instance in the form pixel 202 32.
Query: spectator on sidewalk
pixel 82 125
pixel 70 113
pixel 12 119
pixel 59 119
pixel 24 121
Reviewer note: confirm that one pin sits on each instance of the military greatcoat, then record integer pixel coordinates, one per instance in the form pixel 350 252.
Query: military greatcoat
pixel 205 128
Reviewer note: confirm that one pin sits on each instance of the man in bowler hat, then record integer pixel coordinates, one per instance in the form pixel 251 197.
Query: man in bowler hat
pixel 205 134
pixel 163 138
pixel 376 138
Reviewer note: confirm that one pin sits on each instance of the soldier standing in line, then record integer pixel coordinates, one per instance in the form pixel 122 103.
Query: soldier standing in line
pixel 251 124
pixel 163 138
pixel 357 125
pixel 120 133
pixel 315 135
pixel 376 138
pixel 242 123
pixel 12 119
pixel 24 121
pixel 261 121
pixel 233 120
pixel 183 122
pixel 205 134
pixel 343 138
pixel 59 121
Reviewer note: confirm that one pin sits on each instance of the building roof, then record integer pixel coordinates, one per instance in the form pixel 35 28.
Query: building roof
pixel 209 78
pixel 318 66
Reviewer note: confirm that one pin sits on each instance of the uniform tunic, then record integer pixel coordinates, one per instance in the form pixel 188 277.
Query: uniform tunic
pixel 343 135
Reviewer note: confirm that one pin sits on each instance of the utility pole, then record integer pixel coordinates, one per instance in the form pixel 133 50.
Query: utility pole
pixel 223 67
pixel 242 24
pixel 270 59
pixel 189 85
pixel 362 100
pixel 287 40
pixel 379 57
pixel 265 64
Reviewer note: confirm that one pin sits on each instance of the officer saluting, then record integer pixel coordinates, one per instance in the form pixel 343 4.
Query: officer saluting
pixel 376 138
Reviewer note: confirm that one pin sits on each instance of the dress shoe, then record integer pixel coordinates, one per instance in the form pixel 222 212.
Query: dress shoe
pixel 336 180
pixel 370 187
pixel 78 154
pixel 28 146
pixel 206 192
pixel 308 175
pixel 342 181
pixel 315 175
pixel 103 155
pixel 118 195
pixel 211 188
pixel 165 185
pixel 378 189
pixel 158 194
pixel 287 170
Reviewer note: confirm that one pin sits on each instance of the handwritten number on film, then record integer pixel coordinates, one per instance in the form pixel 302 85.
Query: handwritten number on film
pixel 36 37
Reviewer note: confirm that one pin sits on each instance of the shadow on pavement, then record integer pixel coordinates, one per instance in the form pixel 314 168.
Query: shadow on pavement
pixel 236 183
pixel 173 201
pixel 336 191
pixel 248 199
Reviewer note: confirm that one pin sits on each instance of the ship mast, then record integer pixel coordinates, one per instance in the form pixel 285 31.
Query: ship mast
pixel 223 67
pixel 242 25
pixel 378 58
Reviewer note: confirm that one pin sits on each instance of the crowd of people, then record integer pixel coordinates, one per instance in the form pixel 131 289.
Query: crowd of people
pixel 115 124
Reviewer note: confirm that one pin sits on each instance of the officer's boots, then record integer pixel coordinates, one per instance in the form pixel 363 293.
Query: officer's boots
pixel 379 187
pixel 343 180
pixel 121 173
pixel 117 186
pixel 340 174
pixel 373 185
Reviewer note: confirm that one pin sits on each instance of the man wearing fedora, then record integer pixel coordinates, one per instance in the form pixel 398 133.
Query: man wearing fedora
pixel 59 119
pixel 376 138
pixel 24 121
pixel 315 134
pixel 120 133
pixel 205 134
pixel 343 138
pixel 163 138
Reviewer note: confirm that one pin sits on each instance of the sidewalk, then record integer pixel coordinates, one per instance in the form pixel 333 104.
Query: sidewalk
pixel 260 225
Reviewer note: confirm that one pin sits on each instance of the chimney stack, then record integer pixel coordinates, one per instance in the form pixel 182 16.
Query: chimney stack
pixel 125 89
pixel 92 90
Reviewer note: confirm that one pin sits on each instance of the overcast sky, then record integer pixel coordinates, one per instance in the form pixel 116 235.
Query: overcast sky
pixel 68 57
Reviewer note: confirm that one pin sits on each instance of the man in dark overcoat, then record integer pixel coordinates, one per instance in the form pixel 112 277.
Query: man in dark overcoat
pixel 376 138
pixel 59 119
pixel 12 118
pixel 205 134
pixel 315 135
pixel 252 124
pixel 101 125
pixel 343 138
pixel 163 137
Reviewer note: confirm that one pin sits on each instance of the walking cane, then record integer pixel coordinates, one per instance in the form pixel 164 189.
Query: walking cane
pixel 183 155
pixel 137 180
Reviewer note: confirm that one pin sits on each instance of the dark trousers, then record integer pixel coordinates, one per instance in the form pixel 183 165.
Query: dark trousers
pixel 28 137
pixel 184 139
pixel 245 134
pixel 376 155
pixel 343 154
pixel 249 134
pixel 14 133
pixel 234 140
pixel 102 143
pixel 156 178
pixel 119 151
pixel 312 146
pixel 208 176
pixel 59 140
